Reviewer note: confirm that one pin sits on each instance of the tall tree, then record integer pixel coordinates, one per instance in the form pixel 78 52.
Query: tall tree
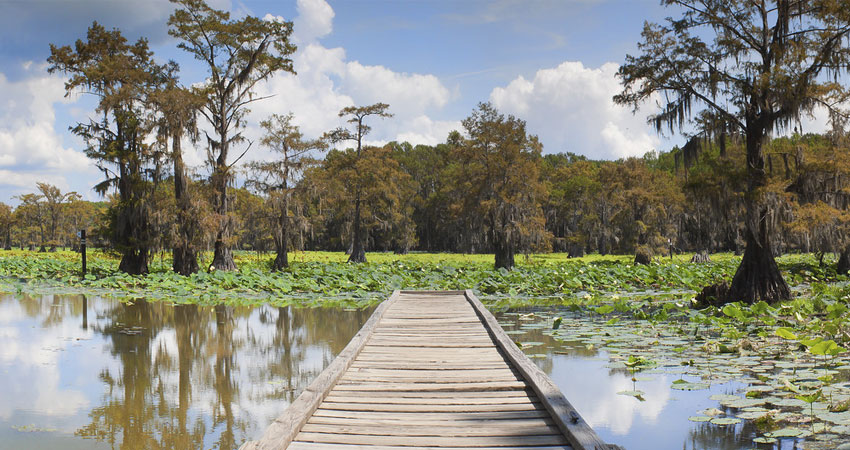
pixel 756 65
pixel 239 54
pixel 278 178
pixel 120 75
pixel 496 179
pixel 54 205
pixel 31 215
pixel 356 116
pixel 177 108
pixel 6 220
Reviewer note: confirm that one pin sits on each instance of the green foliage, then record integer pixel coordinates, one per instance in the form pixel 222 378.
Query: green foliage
pixel 541 279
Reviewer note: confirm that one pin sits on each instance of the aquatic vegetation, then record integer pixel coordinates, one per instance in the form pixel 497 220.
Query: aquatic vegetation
pixel 316 278
pixel 789 359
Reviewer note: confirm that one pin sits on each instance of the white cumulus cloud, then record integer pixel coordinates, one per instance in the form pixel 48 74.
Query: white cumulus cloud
pixel 328 81
pixel 30 148
pixel 315 20
pixel 570 108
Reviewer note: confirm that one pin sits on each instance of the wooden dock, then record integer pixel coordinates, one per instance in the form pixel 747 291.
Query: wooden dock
pixel 430 369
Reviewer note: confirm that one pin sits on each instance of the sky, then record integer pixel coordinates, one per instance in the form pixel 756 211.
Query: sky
pixel 551 63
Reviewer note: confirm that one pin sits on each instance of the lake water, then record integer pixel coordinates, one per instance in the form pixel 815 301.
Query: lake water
pixel 79 373
pixel 89 373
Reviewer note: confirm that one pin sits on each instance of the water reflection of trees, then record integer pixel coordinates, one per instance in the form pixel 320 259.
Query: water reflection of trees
pixel 708 436
pixel 189 376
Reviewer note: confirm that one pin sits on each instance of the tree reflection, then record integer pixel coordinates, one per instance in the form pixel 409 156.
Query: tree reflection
pixel 178 373
pixel 708 436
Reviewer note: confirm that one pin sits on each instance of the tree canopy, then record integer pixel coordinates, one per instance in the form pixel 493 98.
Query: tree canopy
pixel 754 67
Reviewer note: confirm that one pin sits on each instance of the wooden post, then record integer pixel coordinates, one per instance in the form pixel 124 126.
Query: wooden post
pixel 83 248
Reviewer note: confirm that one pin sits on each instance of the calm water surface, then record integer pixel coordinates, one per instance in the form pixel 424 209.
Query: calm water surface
pixel 91 373
pixel 657 421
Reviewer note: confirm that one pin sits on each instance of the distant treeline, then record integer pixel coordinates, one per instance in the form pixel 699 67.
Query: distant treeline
pixel 422 198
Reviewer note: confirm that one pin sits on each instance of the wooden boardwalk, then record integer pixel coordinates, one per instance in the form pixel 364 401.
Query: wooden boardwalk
pixel 430 369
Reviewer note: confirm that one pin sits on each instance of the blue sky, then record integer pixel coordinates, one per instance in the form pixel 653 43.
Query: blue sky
pixel 550 62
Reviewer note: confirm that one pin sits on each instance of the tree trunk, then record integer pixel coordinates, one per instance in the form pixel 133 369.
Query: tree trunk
pixel 844 262
pixel 184 259
pixel 504 251
pixel 358 253
pixel 134 262
pixel 758 277
pixel 504 257
pixel 222 257
pixel 281 240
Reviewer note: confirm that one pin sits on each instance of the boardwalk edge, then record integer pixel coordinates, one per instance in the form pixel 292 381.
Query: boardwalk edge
pixel 577 431
pixel 280 433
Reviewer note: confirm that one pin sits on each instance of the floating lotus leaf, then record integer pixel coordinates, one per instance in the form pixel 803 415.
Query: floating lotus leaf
pixel 690 386
pixel 722 397
pixel 826 436
pixel 743 402
pixel 530 344
pixel 632 393
pixel 764 440
pixel 786 432
pixel 841 429
pixel 699 419
pixel 713 412
pixel 760 388
pixel 820 428
pixel 790 403
pixel 725 420
pixel 755 409
pixel 751 415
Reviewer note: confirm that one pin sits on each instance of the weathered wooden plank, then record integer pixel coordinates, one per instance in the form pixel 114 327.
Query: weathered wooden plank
pixel 492 385
pixel 471 371
pixel 418 394
pixel 428 430
pixel 339 398
pixel 447 416
pixel 432 441
pixel 413 421
pixel 422 407
pixel 425 365
pixel 355 378
pixel 325 446
pixel 421 343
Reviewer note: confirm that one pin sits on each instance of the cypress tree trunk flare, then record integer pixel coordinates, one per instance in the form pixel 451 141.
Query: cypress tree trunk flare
pixel 504 252
pixel 358 253
pixel 281 241
pixel 843 266
pixel 758 277
pixel 134 262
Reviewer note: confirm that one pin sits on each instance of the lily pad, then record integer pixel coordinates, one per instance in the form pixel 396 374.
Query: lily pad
pixel 690 386
pixel 785 432
pixel 631 393
pixel 722 397
pixel 699 419
pixel 725 420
